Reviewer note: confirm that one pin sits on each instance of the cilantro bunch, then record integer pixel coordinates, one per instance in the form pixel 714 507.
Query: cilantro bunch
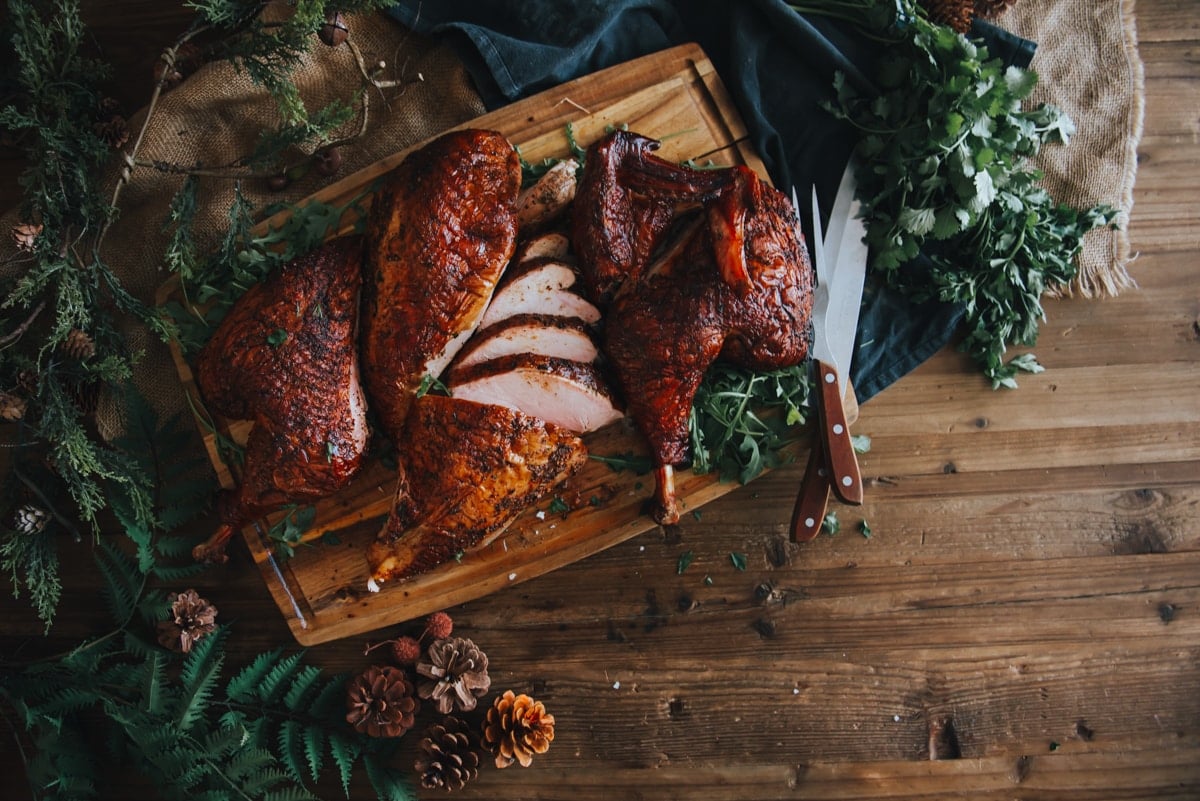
pixel 944 174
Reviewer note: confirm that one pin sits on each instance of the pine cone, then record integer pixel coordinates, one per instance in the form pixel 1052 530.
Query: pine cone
pixel 192 617
pixel 380 702
pixel 12 407
pixel 448 758
pixel 25 235
pixel 78 345
pixel 114 131
pixel 516 728
pixel 457 673
pixel 990 9
pixel 30 519
pixel 956 14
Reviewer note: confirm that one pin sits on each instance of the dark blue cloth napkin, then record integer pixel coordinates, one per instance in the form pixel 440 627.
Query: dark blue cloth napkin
pixel 777 65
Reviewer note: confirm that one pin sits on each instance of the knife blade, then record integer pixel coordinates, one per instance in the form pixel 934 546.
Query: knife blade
pixel 846 255
pixel 835 324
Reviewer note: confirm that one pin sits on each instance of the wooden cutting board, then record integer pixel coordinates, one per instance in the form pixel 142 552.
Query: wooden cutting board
pixel 673 95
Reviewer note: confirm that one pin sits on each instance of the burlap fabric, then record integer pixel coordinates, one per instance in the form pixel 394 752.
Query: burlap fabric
pixel 1088 63
pixel 217 113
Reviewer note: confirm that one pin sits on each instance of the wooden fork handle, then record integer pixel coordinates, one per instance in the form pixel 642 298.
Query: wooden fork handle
pixel 809 511
pixel 843 464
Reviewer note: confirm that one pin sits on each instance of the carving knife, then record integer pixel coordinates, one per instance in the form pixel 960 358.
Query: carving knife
pixel 841 272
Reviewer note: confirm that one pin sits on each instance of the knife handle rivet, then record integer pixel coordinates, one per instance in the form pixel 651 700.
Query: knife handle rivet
pixel 837 428
pixel 847 481
pixel 830 378
pixel 809 522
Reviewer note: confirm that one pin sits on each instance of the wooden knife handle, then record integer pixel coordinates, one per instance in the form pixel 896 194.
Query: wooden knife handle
pixel 845 479
pixel 809 512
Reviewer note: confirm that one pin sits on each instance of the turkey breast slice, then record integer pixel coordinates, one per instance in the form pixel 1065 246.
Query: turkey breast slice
pixel 551 245
pixel 549 196
pixel 538 334
pixel 569 394
pixel 542 288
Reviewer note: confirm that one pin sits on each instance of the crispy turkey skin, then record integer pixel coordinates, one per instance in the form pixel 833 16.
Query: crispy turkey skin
pixel 286 357
pixel 440 232
pixel 467 470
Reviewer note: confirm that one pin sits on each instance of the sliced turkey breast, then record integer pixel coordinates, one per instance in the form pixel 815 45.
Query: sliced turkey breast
pixel 538 334
pixel 569 394
pixel 540 286
pixel 549 196
pixel 550 245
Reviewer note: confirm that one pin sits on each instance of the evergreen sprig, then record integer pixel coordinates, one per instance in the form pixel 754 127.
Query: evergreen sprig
pixel 268 731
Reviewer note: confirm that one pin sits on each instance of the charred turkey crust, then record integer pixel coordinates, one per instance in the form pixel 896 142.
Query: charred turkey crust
pixel 467 471
pixel 440 232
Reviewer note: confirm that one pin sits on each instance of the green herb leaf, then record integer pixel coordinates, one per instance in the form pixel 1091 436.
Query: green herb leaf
pixel 864 528
pixel 738 560
pixel 830 524
pixel 685 559
pixel 277 337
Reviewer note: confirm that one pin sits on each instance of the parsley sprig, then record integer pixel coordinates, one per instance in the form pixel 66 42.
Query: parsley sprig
pixel 944 174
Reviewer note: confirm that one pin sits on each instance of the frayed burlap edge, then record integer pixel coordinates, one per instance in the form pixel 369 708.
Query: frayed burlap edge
pixel 1088 64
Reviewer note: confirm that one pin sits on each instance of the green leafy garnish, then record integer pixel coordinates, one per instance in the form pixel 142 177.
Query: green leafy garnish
pixel 944 173
pixel 741 420
pixel 277 337
pixel 864 528
pixel 558 506
pixel 639 464
pixel 289 530
pixel 830 524
pixel 738 560
pixel 685 559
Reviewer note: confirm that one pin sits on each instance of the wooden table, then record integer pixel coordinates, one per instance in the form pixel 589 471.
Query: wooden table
pixel 1032 580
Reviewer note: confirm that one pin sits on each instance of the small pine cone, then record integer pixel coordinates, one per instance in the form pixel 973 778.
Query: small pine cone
pixel 380 702
pixel 192 617
pixel 447 758
pixel 956 14
pixel 78 345
pixel 25 235
pixel 516 728
pixel 12 407
pixel 30 519
pixel 114 131
pixel 457 673
pixel 27 382
pixel 991 9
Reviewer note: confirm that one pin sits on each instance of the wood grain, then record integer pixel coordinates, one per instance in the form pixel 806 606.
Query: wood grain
pixel 1032 576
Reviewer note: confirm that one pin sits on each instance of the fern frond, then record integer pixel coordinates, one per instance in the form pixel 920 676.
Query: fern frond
pixel 388 781
pixel 344 751
pixel 314 747
pixel 122 581
pixel 330 700
pixel 272 685
pixel 66 701
pixel 302 688
pixel 291 748
pixel 198 679
pixel 243 687
pixel 154 680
